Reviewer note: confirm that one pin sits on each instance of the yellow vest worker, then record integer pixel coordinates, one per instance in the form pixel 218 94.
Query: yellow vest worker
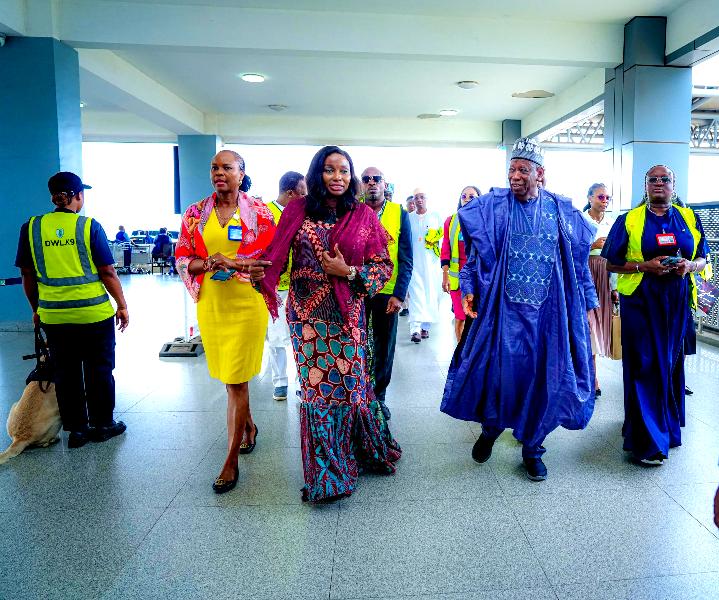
pixel 68 278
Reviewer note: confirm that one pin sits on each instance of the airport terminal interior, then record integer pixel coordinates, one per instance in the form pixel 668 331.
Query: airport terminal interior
pixel 433 88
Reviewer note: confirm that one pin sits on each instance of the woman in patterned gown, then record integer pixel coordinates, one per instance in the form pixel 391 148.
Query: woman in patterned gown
pixel 339 256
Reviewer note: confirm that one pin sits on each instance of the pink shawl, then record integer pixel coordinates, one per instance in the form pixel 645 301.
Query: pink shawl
pixel 358 233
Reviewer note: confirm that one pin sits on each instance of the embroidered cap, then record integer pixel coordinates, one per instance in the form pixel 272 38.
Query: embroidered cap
pixel 528 149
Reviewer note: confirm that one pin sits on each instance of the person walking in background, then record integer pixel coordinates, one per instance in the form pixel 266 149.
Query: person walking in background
pixel 526 360
pixel 410 205
pixel 600 319
pixel 339 256
pixel 424 288
pixel 453 258
pixel 67 274
pixel 383 308
pixel 292 186
pixel 653 248
pixel 221 237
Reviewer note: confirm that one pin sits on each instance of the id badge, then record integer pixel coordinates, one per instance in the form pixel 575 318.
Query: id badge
pixel 234 233
pixel 666 239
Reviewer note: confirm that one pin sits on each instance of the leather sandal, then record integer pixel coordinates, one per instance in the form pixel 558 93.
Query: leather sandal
pixel 246 448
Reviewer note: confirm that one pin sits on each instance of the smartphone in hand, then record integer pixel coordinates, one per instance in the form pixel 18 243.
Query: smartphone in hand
pixel 671 261
pixel 223 275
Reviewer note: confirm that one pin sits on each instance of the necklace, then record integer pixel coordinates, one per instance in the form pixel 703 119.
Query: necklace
pixel 649 208
pixel 599 220
pixel 225 219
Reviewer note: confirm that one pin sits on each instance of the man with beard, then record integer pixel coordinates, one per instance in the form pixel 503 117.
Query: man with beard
pixel 425 287
pixel 383 308
pixel 526 362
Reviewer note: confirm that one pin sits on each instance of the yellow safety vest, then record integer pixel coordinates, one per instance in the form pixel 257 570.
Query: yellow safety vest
pixel 69 287
pixel 392 221
pixel 636 218
pixel 454 232
pixel 284 283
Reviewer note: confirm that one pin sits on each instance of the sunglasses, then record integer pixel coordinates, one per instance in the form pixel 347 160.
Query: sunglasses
pixel 664 179
pixel 368 178
pixel 467 196
pixel 604 197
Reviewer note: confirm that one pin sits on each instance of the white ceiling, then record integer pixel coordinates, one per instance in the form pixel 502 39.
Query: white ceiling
pixel 359 70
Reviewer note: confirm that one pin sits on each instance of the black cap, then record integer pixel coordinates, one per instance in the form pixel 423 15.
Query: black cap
pixel 64 181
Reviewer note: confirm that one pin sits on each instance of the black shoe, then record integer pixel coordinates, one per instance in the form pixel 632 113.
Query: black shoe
pixel 404 312
pixel 77 439
pixel 102 434
pixel 482 449
pixel 221 486
pixel 536 471
pixel 597 392
pixel 687 391
pixel 248 448
pixel 385 410
pixel 416 338
pixel 424 334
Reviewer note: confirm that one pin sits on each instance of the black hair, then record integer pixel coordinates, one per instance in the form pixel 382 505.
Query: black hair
pixel 317 193
pixel 246 182
pixel 163 229
pixel 592 188
pixel 289 181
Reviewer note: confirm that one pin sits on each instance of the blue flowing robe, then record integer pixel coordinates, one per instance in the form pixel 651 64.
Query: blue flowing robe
pixel 527 359
pixel 655 319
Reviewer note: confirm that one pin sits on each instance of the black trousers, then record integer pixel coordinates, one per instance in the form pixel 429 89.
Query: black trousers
pixel 83 358
pixel 384 331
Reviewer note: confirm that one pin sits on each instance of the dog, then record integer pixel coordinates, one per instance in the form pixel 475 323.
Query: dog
pixel 34 420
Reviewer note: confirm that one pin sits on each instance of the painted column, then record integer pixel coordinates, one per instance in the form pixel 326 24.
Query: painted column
pixel 647 112
pixel 511 132
pixel 195 154
pixel 41 135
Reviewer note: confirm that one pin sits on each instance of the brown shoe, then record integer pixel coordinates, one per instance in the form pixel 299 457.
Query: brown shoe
pixel 425 334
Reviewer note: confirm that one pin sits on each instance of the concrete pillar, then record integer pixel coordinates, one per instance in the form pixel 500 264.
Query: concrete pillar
pixel 195 154
pixel 511 132
pixel 41 134
pixel 647 112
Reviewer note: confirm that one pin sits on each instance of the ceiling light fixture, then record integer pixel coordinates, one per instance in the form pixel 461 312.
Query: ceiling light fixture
pixel 252 77
pixel 533 94
pixel 428 116
pixel 277 107
pixel 467 85
pixel 82 105
pixel 448 112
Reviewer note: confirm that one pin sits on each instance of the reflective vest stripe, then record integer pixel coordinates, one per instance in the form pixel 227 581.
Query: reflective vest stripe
pixel 73 303
pixel 453 272
pixel 392 222
pixel 284 283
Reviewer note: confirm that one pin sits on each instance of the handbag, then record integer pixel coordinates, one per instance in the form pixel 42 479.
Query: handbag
pixel 43 372
pixel 615 349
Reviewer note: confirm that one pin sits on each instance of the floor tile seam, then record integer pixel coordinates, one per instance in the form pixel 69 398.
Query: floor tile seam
pixel 702 525
pixel 463 592
pixel 334 549
pixel 702 421
pixel 640 578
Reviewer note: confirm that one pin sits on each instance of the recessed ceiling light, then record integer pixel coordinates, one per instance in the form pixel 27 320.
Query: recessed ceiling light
pixel 82 105
pixel 428 116
pixel 533 94
pixel 467 85
pixel 448 112
pixel 277 107
pixel 252 77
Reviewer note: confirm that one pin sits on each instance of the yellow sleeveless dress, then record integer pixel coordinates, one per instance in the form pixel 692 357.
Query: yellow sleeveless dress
pixel 232 316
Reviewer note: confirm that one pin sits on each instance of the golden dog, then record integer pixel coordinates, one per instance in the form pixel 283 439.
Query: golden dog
pixel 34 420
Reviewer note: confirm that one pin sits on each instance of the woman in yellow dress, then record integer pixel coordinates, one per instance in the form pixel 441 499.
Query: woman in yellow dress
pixel 221 238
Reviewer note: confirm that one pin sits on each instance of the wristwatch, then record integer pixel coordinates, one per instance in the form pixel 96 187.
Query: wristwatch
pixel 352 274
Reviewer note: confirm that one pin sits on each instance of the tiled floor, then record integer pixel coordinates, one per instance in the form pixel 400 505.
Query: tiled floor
pixel 136 518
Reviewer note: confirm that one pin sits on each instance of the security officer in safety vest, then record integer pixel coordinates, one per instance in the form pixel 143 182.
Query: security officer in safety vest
pixel 292 186
pixel 384 307
pixel 67 273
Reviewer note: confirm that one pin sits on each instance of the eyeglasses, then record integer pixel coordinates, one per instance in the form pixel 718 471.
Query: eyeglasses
pixel 368 178
pixel 604 197
pixel 664 179
pixel 467 196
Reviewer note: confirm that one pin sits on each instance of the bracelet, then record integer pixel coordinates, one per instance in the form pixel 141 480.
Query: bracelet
pixel 637 266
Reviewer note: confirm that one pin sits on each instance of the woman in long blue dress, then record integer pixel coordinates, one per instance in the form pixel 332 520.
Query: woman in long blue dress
pixel 655 303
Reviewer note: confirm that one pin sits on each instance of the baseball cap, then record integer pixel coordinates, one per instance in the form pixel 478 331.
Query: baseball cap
pixel 68 182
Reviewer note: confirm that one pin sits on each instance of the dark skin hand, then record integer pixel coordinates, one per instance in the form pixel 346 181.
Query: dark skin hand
pixel 467 306
pixel 257 270
pixel 394 305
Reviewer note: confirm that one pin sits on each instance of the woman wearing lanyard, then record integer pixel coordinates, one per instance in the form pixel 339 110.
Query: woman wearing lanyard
pixel 600 319
pixel 221 237
pixel 656 248
pixel 453 257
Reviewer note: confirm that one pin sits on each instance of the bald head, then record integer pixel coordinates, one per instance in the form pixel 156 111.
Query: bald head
pixel 373 187
pixel 420 200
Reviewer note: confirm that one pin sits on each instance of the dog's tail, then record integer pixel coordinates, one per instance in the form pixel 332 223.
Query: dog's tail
pixel 13 450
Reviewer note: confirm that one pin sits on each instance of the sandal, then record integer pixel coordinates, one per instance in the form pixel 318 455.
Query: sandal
pixel 246 448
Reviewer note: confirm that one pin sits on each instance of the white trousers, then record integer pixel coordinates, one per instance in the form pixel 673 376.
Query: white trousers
pixel 417 326
pixel 278 338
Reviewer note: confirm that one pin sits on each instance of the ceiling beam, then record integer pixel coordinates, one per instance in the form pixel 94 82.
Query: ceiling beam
pixel 12 17
pixel 120 83
pixel 122 25
pixel 691 21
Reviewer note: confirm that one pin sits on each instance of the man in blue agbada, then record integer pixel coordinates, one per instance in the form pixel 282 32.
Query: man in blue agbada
pixel 526 361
